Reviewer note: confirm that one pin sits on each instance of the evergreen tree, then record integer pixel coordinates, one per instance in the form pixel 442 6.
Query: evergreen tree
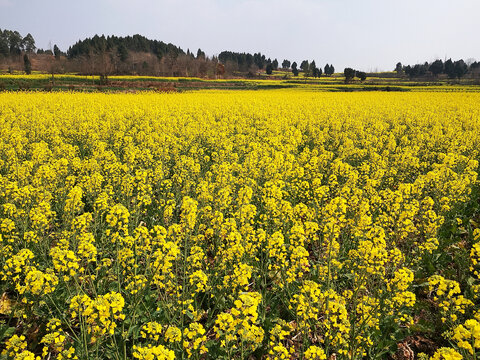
pixel 200 54
pixel 304 65
pixel 14 42
pixel 329 70
pixel 294 69
pixel 436 67
pixel 4 44
pixel 398 68
pixel 449 68
pixel 286 64
pixel 269 69
pixel 27 64
pixel 56 51
pixel 460 68
pixel 349 74
pixel 275 64
pixel 122 53
pixel 29 43
pixel 361 75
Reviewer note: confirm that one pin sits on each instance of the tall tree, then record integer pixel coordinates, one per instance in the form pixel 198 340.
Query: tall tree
pixel 294 69
pixel 56 51
pixel 269 69
pixel 29 43
pixel 408 70
pixel 200 54
pixel 27 64
pixel 399 68
pixel 304 65
pixel 349 74
pixel 316 72
pixel 4 44
pixel 285 64
pixel 329 70
pixel 436 67
pixel 122 52
pixel 15 42
pixel 460 68
pixel 449 68
pixel 275 64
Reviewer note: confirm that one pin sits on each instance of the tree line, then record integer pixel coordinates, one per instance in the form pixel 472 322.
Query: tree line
pixel 246 62
pixel 13 44
pixel 122 46
pixel 453 69
pixel 350 74
pixel 107 55
pixel 101 55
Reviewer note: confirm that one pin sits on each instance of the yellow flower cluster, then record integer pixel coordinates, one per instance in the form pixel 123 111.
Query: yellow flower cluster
pixel 447 295
pixel 323 314
pixel 99 313
pixel 238 329
pixel 446 354
pixel 467 335
pixel 278 347
pixel 194 339
pixel 152 353
pixel 315 352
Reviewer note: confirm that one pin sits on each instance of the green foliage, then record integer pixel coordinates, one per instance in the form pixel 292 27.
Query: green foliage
pixel 460 68
pixel 453 69
pixel 349 74
pixel 436 67
pixel 122 53
pixel 269 69
pixel 361 75
pixel 200 54
pixel 304 65
pixel 243 60
pixel 27 64
pixel 28 43
pixel 12 43
pixel 56 52
pixel 329 70
pixel 275 64
pixel 399 68
pixel 136 43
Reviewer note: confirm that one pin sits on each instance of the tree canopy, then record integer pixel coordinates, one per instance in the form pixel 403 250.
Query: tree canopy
pixel 135 43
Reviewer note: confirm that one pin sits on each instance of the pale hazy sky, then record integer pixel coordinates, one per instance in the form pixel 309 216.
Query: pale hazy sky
pixel 365 34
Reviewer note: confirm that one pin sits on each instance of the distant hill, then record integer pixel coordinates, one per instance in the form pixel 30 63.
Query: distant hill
pixel 129 55
pixel 122 46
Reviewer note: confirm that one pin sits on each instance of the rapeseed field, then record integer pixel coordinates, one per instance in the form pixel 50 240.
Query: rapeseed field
pixel 239 225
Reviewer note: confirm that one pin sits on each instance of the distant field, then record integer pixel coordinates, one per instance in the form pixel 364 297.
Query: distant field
pixel 73 82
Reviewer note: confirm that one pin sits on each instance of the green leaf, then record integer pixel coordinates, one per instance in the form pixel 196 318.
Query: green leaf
pixel 6 332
